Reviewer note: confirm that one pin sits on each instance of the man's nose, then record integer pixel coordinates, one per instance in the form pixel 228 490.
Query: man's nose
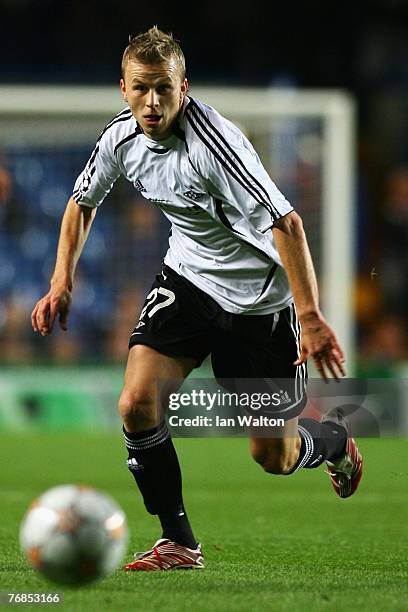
pixel 152 98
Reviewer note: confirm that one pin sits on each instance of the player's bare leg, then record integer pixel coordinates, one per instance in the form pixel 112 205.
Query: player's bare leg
pixel 306 443
pixel 149 380
pixel 278 454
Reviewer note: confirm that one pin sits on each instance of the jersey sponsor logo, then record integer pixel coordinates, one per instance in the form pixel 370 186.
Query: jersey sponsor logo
pixel 139 185
pixel 193 195
pixel 159 201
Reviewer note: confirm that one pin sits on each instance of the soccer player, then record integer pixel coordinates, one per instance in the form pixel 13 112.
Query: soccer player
pixel 237 283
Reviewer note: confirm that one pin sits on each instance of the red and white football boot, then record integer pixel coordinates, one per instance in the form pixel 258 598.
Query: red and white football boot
pixel 166 555
pixel 346 472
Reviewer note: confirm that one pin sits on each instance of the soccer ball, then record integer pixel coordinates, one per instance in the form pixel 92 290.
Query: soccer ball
pixel 74 534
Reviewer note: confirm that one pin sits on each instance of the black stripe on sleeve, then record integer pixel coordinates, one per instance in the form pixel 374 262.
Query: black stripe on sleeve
pixel 233 169
pixel 119 118
pixel 234 153
pixel 250 188
pixel 224 163
pixel 94 154
pixel 125 111
pixel 257 186
pixel 114 122
pixel 206 125
pixel 90 168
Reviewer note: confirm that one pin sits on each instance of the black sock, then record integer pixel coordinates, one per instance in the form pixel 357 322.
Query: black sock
pixel 320 442
pixel 155 467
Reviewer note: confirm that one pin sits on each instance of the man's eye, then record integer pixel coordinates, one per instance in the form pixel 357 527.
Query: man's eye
pixel 139 88
pixel 163 89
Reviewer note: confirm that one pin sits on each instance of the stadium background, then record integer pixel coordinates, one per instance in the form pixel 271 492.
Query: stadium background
pixel 362 53
pixel 48 384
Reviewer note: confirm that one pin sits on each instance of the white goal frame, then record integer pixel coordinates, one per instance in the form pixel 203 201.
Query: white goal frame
pixel 335 108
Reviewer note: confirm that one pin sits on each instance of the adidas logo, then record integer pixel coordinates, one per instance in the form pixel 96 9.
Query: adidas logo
pixel 134 465
pixel 139 185
pixel 284 397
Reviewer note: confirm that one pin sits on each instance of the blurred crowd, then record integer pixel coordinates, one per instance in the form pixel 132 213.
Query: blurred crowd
pixel 382 282
pixel 120 259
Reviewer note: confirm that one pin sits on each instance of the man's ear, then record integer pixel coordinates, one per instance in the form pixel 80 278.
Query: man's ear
pixel 184 89
pixel 123 89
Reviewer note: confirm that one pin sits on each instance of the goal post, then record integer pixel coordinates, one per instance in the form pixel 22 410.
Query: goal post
pixel 306 140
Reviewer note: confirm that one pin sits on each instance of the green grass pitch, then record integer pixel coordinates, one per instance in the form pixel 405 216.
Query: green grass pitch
pixel 270 542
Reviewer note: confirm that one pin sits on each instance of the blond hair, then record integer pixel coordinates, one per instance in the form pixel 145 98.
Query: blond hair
pixel 154 47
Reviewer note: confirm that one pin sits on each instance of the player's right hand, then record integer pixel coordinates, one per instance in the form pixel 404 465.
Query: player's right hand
pixel 319 341
pixel 56 302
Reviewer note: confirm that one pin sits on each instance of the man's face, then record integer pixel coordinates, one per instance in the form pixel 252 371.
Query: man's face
pixel 155 93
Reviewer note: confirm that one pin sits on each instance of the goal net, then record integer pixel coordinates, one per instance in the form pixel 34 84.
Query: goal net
pixel 304 138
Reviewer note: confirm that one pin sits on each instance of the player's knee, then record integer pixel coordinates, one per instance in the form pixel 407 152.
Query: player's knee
pixel 137 409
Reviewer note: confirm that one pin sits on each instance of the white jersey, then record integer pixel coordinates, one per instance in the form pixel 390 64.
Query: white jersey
pixel 209 182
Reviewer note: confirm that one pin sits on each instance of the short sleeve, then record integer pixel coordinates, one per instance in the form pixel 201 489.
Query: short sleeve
pixel 234 171
pixel 99 175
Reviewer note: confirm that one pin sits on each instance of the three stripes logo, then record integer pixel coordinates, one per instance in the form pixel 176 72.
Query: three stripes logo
pixel 284 397
pixel 228 157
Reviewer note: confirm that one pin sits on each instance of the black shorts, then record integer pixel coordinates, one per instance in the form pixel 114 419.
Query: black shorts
pixel 180 320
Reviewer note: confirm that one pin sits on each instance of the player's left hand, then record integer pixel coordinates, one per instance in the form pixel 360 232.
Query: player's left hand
pixel 320 342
